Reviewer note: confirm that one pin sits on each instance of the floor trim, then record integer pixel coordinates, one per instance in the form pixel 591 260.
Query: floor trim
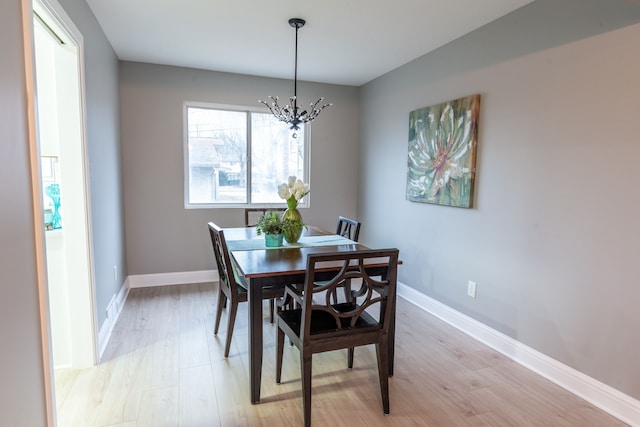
pixel 610 400
pixel 177 278
pixel 113 312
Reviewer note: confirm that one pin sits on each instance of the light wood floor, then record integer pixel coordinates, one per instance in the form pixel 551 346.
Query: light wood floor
pixel 164 367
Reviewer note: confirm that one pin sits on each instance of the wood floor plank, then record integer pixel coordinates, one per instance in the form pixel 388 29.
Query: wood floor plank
pixel 125 424
pixel 198 401
pixel 64 380
pixel 83 401
pixel 159 407
pixel 194 349
pixel 123 389
pixel 164 367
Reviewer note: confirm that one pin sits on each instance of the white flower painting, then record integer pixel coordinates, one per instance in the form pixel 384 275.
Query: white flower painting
pixel 442 152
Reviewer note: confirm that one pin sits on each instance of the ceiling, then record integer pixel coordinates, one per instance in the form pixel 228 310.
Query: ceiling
pixel 346 42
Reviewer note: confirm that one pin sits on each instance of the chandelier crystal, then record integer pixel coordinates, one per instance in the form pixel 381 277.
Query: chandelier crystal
pixel 290 113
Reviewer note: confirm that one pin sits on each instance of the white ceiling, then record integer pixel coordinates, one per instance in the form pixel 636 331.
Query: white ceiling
pixel 344 41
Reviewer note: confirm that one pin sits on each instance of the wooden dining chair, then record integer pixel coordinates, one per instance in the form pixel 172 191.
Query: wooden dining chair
pixel 232 287
pixel 251 217
pixel 348 228
pixel 320 325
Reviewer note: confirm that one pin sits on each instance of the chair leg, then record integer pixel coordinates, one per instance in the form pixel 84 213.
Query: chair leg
pixel 334 294
pixel 279 353
pixel 231 322
pixel 383 372
pixel 271 303
pixel 305 366
pixel 350 358
pixel 221 300
pixel 347 290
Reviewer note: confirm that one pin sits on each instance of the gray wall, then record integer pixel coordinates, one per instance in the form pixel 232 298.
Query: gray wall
pixel 551 242
pixel 105 157
pixel 553 239
pixel 22 400
pixel 162 236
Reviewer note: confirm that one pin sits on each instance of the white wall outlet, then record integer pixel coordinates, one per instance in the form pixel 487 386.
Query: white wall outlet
pixel 471 289
pixel 115 272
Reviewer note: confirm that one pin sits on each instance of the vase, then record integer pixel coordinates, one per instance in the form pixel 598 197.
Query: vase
pixel 292 233
pixel 273 240
pixel 53 191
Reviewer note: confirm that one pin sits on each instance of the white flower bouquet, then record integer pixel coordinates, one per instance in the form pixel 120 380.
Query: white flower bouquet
pixel 292 191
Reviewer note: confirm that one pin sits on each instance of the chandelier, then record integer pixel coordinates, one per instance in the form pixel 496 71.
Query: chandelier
pixel 290 114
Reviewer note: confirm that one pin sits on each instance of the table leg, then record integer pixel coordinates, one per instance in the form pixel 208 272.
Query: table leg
pixel 255 338
pixel 392 329
pixel 392 336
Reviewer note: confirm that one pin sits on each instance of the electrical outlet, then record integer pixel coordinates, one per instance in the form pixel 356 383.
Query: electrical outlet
pixel 115 272
pixel 471 289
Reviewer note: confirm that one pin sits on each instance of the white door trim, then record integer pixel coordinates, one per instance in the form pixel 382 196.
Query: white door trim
pixel 55 16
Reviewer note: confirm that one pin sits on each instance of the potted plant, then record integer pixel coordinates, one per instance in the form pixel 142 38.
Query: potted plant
pixel 273 226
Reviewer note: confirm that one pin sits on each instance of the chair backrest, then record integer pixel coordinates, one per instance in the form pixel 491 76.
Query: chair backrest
pixel 228 283
pixel 348 228
pixel 320 284
pixel 252 215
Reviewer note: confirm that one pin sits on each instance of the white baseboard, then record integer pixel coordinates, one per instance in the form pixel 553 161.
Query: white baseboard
pixel 610 400
pixel 177 278
pixel 114 308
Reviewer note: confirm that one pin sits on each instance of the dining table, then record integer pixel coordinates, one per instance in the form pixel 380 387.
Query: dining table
pixel 265 266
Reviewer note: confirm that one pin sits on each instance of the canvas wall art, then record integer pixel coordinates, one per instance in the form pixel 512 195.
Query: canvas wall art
pixel 442 152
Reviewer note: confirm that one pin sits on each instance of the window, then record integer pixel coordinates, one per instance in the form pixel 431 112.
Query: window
pixel 237 157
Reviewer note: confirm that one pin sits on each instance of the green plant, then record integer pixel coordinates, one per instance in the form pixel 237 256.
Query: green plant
pixel 272 223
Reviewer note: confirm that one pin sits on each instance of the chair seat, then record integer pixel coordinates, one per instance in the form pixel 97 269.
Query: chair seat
pixel 323 322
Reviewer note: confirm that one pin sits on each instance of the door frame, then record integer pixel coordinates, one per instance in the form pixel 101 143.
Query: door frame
pixel 54 13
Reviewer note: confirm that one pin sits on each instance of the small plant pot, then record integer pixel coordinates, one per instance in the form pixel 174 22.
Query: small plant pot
pixel 273 240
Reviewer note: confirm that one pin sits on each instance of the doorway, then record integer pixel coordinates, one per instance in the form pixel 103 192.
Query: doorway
pixel 64 185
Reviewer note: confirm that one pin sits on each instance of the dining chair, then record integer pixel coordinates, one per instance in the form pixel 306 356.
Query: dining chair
pixel 320 325
pixel 232 288
pixel 348 228
pixel 251 217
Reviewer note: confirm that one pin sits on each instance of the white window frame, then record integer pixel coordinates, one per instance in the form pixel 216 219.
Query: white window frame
pixel 305 203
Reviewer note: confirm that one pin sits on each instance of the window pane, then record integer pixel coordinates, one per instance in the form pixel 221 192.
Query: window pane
pixel 217 145
pixel 237 157
pixel 275 156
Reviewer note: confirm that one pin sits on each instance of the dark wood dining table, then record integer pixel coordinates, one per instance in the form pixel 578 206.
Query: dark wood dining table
pixel 263 266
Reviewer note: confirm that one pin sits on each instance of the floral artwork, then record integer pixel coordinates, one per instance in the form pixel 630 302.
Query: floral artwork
pixel 442 152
